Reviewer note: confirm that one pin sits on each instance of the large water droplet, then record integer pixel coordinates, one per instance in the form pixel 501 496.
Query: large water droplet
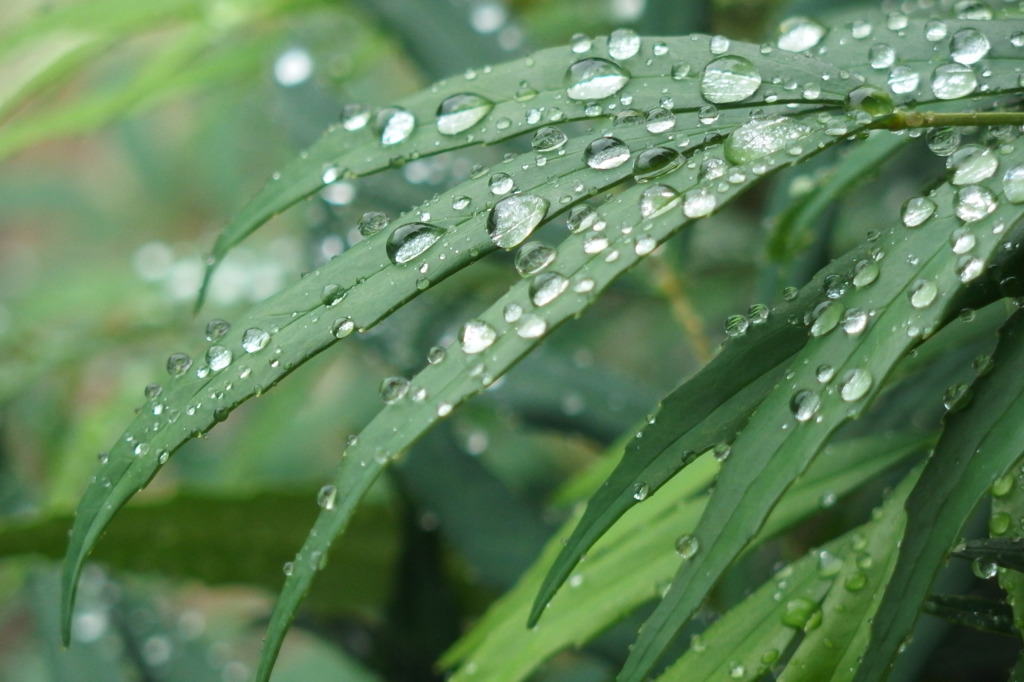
pixel 971 164
pixel 546 287
pixel 393 389
pixel 923 293
pixel 855 384
pixel 218 358
pixel 533 257
pixel 178 364
pixel 825 317
pixel 917 210
pixel 968 46
pixel 762 137
pixel 1013 185
pixel 903 80
pixel 548 139
pixel 729 79
pixel 655 162
pixel 409 241
pixel 870 100
pixel 973 202
pixel 393 125
pixel 699 202
pixel 623 43
pixel 461 112
pixel 687 546
pixel 660 120
pixel 855 320
pixel 969 268
pixel 657 199
pixel 531 327
pixel 797 34
pixel 952 81
pixel 514 218
pixel 606 153
pixel 500 183
pixel 595 78
pixel 254 340
pixel 476 336
pixel 342 327
pixel 796 613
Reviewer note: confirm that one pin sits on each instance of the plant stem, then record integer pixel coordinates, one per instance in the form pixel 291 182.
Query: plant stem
pixel 672 286
pixel 905 120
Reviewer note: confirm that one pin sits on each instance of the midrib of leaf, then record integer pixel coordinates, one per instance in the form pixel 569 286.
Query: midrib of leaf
pixel 773 449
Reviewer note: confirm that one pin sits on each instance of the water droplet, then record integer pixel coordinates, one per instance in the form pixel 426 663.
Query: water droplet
pixel 1013 185
pixel 436 355
pixel 606 153
pixel 864 273
pixel 855 384
pixel 514 218
pixel 797 612
pixel 968 46
pixel 956 397
pixel 218 357
pixel 531 327
pixel 881 56
pixel 393 125
pixel 797 34
pixel 729 79
pixel 923 293
pixel 903 80
pixel 342 327
pixel 824 373
pixel 855 321
pixel 288 567
pixel 500 183
pixel 804 405
pixel 961 240
pixel 1003 485
pixel 829 565
pixel 372 222
pixel 761 137
pixel 332 294
pixel 984 570
pixel 680 70
pixel 548 139
pixel 215 329
pixel 952 81
pixel 856 581
pixel 623 43
pixel 655 162
pixel 687 546
pixel 971 164
pixel 546 287
pixel 825 317
pixel 917 210
pixel 178 364
pixel 409 241
pixel 660 120
pixel 644 245
pixel 973 202
pixel 657 199
pixel 533 257
pixel 152 391
pixel 461 112
pixel 594 78
pixel 327 497
pixel 698 203
pixel 393 389
pixel 736 325
pixel 969 268
pixel 354 116
pixel 254 340
pixel 640 491
pixel 870 100
pixel 737 670
pixel 583 218
pixel 999 524
pixel 476 336
pixel 512 312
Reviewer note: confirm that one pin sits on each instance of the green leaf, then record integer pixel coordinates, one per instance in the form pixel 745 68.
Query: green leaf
pixel 978 445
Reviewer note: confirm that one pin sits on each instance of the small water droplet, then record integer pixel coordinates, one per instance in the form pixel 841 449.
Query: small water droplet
pixel 660 120
pixel 533 257
pixel 354 116
pixel 546 287
pixel 962 240
pixel 640 491
pixel 881 56
pixel 797 612
pixel 824 373
pixel 655 162
pixel 699 202
pixel 797 34
pixel 729 79
pixel 736 325
pixel 393 389
pixel 952 81
pixel 687 546
pixel 985 570
pixel 254 340
pixel 436 355
pixel 218 357
pixel 582 218
pixel 623 43
pixel 855 321
pixel 594 78
pixel 917 210
pixel 216 329
pixel 512 312
pixel 869 100
pixel 393 125
pixel 288 567
pixel 327 497
pixel 903 80
pixel 804 405
pixel 865 272
pixel 657 199
pixel 855 384
pixel 342 327
pixel 548 139
pixel 372 222
pixel 531 327
pixel 500 183
pixel 178 364
pixel 460 112
pixel 923 293
pixel 409 241
pixel 476 336
pixel 332 294
pixel 969 268
pixel 644 245
pixel 606 153
pixel 514 218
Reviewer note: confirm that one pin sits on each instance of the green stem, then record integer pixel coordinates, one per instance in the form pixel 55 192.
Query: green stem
pixel 905 120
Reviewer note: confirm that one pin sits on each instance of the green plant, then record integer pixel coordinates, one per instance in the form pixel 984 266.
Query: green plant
pixel 857 376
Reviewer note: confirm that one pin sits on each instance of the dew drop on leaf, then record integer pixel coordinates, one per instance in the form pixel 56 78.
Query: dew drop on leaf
pixel 512 312
pixel 855 384
pixel 500 183
pixel 660 120
pixel 804 405
pixel 935 30
pixel 254 340
pixel 342 327
pixel 460 112
pixel 533 257
pixel 655 162
pixel 531 327
pixel 973 202
pixel 698 203
pixel 961 240
pixel 476 336
pixel 594 78
pixel 870 100
pixel 969 268
pixel 736 325
pixel 825 317
pixel 218 357
pixel 952 81
pixel 687 546
pixel 1013 185
pixel 881 56
pixel 546 287
pixel 640 491
pixel 606 153
pixel 797 34
pixel 824 373
pixel 797 612
pixel 729 79
pixel 216 329
pixel 178 364
pixel 761 137
pixel 923 293
pixel 436 355
pixel 903 80
pixel 623 43
pixel 393 125
pixel 393 389
pixel 971 164
pixel 548 139
pixel 354 116
pixel 864 273
pixel 372 222
pixel 582 218
pixel 657 199
pixel 968 46
pixel 645 245
pixel 326 498
pixel 409 241
pixel 331 294
pixel 514 218
pixel 917 210
pixel 855 321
